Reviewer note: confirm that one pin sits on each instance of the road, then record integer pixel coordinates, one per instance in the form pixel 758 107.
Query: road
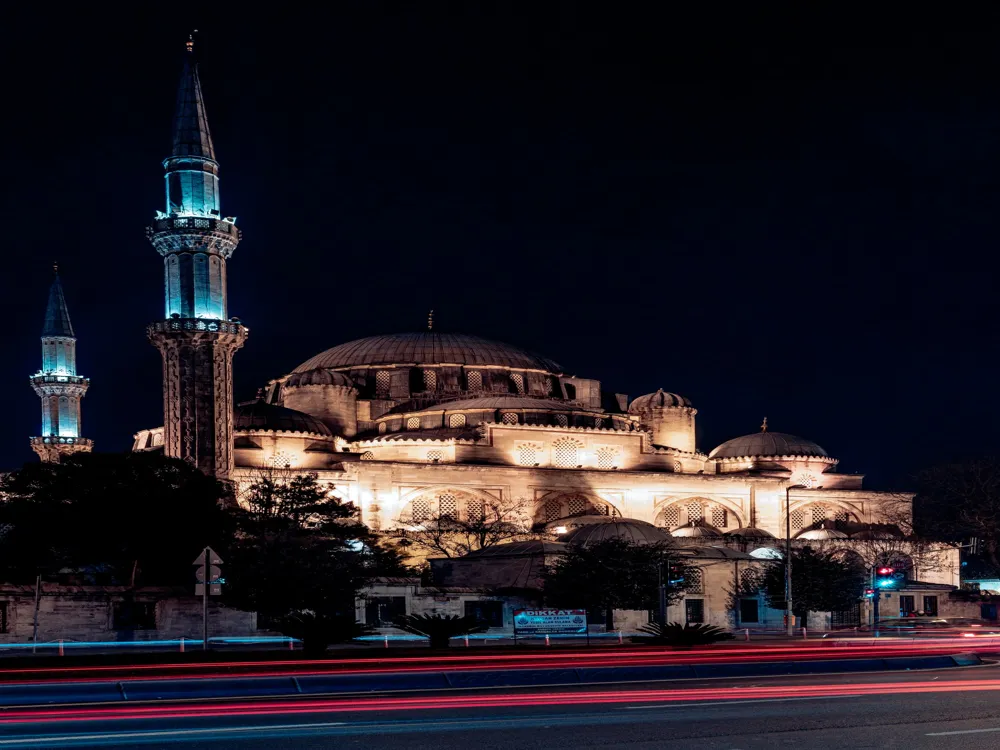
pixel 941 710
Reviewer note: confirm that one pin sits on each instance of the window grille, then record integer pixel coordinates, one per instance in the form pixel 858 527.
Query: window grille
pixel 819 513
pixel 456 420
pixel 798 519
pixel 719 518
pixel 421 511
pixel 367 456
pixel 509 417
pixel 671 516
pixel 565 452
pixel 606 458
pixel 430 380
pixel 518 380
pixel 434 456
pixel 695 512
pixel 694 580
pixel 413 423
pixel 382 381
pixel 678 467
pixel 474 380
pixel 562 420
pixel 447 505
pixel 578 505
pixel 474 510
pixel 382 428
pixel 280 460
pixel 553 510
pixel 527 455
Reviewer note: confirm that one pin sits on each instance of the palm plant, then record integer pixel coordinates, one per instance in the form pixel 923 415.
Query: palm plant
pixel 440 629
pixel 675 634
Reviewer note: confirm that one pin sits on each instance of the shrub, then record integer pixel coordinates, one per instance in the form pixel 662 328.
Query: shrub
pixel 675 634
pixel 317 631
pixel 440 629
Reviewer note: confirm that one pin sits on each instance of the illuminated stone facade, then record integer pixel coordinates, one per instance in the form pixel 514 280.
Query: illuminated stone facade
pixel 58 385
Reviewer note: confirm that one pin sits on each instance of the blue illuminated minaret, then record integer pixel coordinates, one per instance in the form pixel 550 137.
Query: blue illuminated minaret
pixel 196 338
pixel 57 383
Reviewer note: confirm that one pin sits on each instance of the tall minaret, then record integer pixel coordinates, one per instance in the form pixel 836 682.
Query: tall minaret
pixel 57 383
pixel 197 339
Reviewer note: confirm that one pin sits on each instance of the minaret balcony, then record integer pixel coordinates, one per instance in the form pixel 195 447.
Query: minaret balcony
pixel 79 443
pixel 198 325
pixel 177 234
pixel 45 378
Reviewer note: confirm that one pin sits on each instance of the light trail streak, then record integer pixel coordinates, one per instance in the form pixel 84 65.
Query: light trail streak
pixel 503 700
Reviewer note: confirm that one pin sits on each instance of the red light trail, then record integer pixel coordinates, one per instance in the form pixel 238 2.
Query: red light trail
pixel 501 700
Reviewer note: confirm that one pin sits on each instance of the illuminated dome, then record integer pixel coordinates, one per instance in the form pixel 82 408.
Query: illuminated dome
pixel 822 534
pixel 764 444
pixel 427 348
pixel 259 416
pixel 659 399
pixel 603 528
pixel 696 531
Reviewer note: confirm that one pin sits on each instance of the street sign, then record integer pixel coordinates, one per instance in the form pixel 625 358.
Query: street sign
pixel 542 621
pixel 213 558
pixel 214 589
pixel 213 574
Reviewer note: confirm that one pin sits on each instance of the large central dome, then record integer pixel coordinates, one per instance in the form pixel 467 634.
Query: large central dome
pixel 427 348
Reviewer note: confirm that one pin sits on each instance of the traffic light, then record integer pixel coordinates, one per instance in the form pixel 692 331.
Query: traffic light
pixel 870 593
pixel 885 578
pixel 675 573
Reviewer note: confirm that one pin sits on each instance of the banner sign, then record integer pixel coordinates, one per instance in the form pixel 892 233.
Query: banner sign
pixel 551 621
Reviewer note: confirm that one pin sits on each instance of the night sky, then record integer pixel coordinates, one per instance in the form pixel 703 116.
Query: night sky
pixel 783 215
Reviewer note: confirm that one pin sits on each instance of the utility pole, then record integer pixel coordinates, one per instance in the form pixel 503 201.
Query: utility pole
pixel 663 592
pixel 38 601
pixel 210 581
pixel 789 621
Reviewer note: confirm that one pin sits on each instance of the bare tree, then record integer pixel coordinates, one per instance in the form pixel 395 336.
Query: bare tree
pixel 453 535
pixel 962 500
pixel 893 538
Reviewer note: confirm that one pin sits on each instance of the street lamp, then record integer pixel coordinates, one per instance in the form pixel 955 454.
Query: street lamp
pixel 788 556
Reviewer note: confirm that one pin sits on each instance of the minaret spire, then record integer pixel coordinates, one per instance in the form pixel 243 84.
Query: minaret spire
pixel 57 383
pixel 197 339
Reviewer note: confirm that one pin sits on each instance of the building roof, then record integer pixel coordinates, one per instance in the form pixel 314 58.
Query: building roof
pixel 519 549
pixel 427 348
pixel 693 531
pixel 57 321
pixel 611 527
pixel 191 134
pixel 318 377
pixel 749 533
pixel 261 416
pixel 761 444
pixel 491 403
pixel 659 399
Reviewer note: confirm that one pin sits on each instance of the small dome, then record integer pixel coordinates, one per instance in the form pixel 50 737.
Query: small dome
pixel 820 534
pixel 749 534
pixel 653 400
pixel 696 531
pixel 520 549
pixel 762 444
pixel 261 416
pixel 629 529
pixel 427 348
pixel 876 534
pixel 318 377
pixel 568 523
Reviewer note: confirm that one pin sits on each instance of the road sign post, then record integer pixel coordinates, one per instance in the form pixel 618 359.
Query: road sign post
pixel 209 577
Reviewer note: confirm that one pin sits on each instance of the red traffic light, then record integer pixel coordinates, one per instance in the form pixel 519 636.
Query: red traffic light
pixel 886 571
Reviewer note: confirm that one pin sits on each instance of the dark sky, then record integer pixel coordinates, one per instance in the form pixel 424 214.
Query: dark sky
pixel 790 214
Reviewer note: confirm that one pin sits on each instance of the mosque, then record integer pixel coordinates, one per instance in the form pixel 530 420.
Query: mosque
pixel 421 425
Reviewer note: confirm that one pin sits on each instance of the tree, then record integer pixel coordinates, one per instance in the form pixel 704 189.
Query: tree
pixel 960 500
pixel 821 582
pixel 500 521
pixel 110 518
pixel 613 574
pixel 301 558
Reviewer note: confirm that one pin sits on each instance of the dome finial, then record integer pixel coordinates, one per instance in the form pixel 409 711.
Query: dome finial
pixel 763 426
pixel 430 320
pixel 189 44
pixel 55 267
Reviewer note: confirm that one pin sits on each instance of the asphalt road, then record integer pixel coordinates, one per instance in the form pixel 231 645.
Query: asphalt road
pixel 941 710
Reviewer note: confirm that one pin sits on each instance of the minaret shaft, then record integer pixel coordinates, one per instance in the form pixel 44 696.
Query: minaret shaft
pixel 197 340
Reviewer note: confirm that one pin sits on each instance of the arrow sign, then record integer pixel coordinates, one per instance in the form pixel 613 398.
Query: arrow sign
pixel 213 557
pixel 214 573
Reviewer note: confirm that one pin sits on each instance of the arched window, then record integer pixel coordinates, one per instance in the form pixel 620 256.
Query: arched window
pixel 719 517
pixel 820 513
pixel 527 454
pixel 447 505
pixel 517 383
pixel 456 420
pixel 798 519
pixel 562 420
pixel 280 460
pixel 607 458
pixel 413 423
pixel 695 512
pixel 382 428
pixel 671 516
pixel 806 479
pixel 566 452
pixel 367 456
pixel 509 417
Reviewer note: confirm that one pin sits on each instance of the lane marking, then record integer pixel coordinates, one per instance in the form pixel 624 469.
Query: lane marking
pixel 962 731
pixel 165 733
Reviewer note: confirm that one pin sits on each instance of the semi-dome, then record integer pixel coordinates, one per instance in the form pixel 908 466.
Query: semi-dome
pixel 427 348
pixel 696 531
pixel 604 528
pixel 749 534
pixel 762 444
pixel 821 534
pixel 261 416
pixel 318 377
pixel 661 398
